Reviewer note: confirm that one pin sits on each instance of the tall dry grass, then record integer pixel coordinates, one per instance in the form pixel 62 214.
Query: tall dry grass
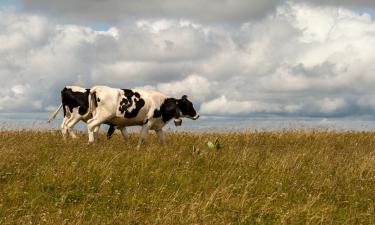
pixel 300 177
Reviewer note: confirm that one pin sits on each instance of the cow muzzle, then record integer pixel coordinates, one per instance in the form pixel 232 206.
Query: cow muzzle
pixel 195 117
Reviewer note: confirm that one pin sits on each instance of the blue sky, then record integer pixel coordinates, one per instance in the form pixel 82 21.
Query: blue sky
pixel 101 26
pixel 369 11
pixel 12 3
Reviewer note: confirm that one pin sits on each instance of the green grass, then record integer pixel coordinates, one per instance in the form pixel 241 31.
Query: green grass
pixel 300 177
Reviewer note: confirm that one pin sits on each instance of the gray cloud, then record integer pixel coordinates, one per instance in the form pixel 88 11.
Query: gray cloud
pixel 112 11
pixel 217 11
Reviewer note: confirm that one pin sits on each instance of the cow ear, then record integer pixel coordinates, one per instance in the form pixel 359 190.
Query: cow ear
pixel 184 97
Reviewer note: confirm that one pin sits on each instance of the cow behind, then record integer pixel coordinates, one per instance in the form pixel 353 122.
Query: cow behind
pixel 128 107
pixel 75 105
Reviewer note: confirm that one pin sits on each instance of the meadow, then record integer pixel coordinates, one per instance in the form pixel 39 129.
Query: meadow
pixel 284 177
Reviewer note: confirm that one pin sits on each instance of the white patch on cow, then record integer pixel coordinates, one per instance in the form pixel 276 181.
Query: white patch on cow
pixel 133 106
pixel 77 89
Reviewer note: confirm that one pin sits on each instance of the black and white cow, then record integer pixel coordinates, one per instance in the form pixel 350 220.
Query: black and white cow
pixel 75 104
pixel 129 107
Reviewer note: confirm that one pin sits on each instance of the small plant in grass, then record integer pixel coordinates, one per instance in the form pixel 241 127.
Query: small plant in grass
pixel 215 144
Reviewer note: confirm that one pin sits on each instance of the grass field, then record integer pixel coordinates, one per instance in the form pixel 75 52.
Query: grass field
pixel 288 177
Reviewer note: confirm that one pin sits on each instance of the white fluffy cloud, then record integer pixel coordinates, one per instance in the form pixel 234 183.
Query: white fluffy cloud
pixel 196 86
pixel 39 57
pixel 223 106
pixel 301 59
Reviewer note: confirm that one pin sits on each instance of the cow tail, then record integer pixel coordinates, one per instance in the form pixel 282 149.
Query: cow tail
pixel 54 114
pixel 92 102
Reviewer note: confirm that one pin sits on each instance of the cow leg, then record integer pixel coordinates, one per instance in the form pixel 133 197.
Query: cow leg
pixel 161 136
pixel 124 133
pixel 91 135
pixel 93 126
pixel 64 131
pixel 70 126
pixel 67 118
pixel 110 131
pixel 67 129
pixel 143 135
pixel 96 132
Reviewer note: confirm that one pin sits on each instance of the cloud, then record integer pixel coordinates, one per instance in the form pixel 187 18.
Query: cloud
pixel 341 3
pixel 112 11
pixel 300 60
pixel 209 11
pixel 310 63
pixel 223 106
pixel 195 86
pixel 41 57
pixel 328 105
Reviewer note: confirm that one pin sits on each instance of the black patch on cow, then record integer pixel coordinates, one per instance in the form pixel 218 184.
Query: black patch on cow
pixel 139 103
pixel 125 101
pixel 128 102
pixel 186 107
pixel 168 110
pixel 128 92
pixel 124 105
pixel 74 99
pixel 157 113
pixel 110 131
pixel 98 99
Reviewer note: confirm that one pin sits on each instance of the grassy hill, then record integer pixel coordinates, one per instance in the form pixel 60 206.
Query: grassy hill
pixel 309 177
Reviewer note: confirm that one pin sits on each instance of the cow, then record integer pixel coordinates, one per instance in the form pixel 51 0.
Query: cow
pixel 75 104
pixel 128 107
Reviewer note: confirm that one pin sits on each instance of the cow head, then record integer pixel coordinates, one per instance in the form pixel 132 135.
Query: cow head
pixel 186 108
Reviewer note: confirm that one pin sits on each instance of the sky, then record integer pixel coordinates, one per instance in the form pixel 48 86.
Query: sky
pixel 233 58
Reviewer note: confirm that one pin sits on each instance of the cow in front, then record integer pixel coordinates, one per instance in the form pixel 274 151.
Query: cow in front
pixel 128 107
pixel 75 104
